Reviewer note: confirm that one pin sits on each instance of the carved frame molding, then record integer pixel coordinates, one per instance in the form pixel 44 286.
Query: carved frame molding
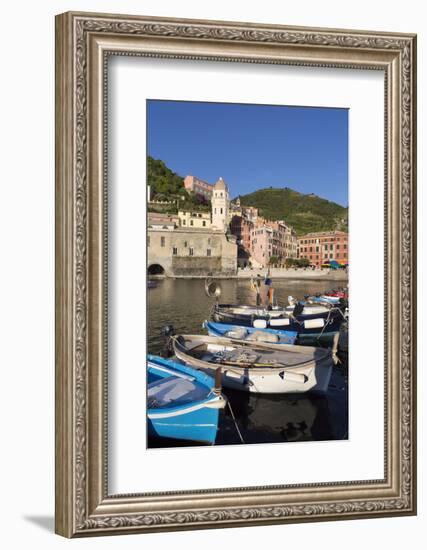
pixel 83 43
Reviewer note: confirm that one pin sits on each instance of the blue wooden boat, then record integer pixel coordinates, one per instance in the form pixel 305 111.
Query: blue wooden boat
pixel 182 403
pixel 250 333
pixel 302 318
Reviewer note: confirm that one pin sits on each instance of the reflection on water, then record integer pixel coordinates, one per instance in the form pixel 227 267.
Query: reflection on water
pixel 260 418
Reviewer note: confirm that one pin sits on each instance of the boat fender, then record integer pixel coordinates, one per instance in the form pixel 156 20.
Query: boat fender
pixel 260 323
pixel 279 322
pixel 335 341
pixel 293 377
pixel 314 323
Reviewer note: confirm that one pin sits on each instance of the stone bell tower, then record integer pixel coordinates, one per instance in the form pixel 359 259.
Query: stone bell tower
pixel 220 206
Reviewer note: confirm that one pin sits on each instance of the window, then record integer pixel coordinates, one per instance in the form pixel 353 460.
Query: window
pixel 345 246
pixel 184 222
pixel 148 240
pixel 191 251
pixel 215 210
pixel 185 244
pixel 221 210
pixel 204 223
pixel 191 222
pixel 162 241
pixel 208 252
pixel 174 251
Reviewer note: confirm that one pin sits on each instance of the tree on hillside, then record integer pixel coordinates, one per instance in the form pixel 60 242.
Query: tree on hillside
pixel 166 185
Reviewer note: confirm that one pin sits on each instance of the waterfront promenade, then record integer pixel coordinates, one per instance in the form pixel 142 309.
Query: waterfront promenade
pixel 331 275
pixel 340 275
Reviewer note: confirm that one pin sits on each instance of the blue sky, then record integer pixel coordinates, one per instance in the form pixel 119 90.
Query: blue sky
pixel 254 146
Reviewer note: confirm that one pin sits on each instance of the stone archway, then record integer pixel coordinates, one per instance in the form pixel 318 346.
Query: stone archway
pixel 156 271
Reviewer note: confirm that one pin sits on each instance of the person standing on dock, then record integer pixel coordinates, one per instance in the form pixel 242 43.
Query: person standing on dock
pixel 256 285
pixel 270 291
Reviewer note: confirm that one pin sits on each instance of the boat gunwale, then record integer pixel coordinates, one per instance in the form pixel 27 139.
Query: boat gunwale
pixel 200 377
pixel 183 355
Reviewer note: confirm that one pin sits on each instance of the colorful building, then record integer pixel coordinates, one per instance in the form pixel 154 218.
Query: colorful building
pixel 261 245
pixel 322 247
pixel 199 187
pixel 272 239
pixel 190 219
pixel 284 243
pixel 241 227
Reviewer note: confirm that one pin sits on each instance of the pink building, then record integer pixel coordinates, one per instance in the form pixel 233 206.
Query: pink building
pixel 261 245
pixel 198 187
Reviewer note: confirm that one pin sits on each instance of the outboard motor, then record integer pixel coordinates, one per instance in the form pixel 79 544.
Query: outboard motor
pixel 343 303
pixel 298 309
pixel 167 331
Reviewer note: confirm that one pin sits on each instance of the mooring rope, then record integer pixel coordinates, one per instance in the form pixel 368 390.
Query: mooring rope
pixel 235 421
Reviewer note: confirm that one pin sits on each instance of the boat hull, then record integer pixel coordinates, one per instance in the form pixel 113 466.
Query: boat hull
pixel 195 421
pixel 329 321
pixel 221 329
pixel 308 375
pixel 308 379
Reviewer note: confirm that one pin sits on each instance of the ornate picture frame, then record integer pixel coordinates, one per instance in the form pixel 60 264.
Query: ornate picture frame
pixel 83 43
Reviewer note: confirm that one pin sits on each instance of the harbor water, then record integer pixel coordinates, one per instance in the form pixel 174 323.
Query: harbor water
pixel 184 304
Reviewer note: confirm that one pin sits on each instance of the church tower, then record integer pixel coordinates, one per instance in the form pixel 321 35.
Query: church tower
pixel 220 206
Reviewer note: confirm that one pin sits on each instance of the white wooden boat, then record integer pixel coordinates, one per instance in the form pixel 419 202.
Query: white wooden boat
pixel 257 366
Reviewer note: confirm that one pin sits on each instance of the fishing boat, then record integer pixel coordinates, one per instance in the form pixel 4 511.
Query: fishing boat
pixel 257 367
pixel 250 334
pixel 300 318
pixel 182 402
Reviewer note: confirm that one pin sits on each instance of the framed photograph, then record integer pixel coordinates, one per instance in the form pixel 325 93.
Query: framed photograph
pixel 235 274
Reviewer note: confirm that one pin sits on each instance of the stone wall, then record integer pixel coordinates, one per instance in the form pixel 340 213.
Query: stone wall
pixel 192 253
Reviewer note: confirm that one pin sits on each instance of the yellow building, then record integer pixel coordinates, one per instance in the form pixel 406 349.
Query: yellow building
pixel 198 220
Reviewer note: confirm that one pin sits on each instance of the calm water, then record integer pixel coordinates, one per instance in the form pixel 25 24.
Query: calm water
pixel 261 419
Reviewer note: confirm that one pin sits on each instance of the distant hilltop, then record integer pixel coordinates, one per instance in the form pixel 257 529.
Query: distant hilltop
pixel 305 213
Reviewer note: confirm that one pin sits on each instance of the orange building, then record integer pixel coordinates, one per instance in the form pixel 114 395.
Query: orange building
pixel 324 246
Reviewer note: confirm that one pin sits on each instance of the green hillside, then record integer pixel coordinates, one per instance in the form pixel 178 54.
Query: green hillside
pixel 166 185
pixel 305 213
